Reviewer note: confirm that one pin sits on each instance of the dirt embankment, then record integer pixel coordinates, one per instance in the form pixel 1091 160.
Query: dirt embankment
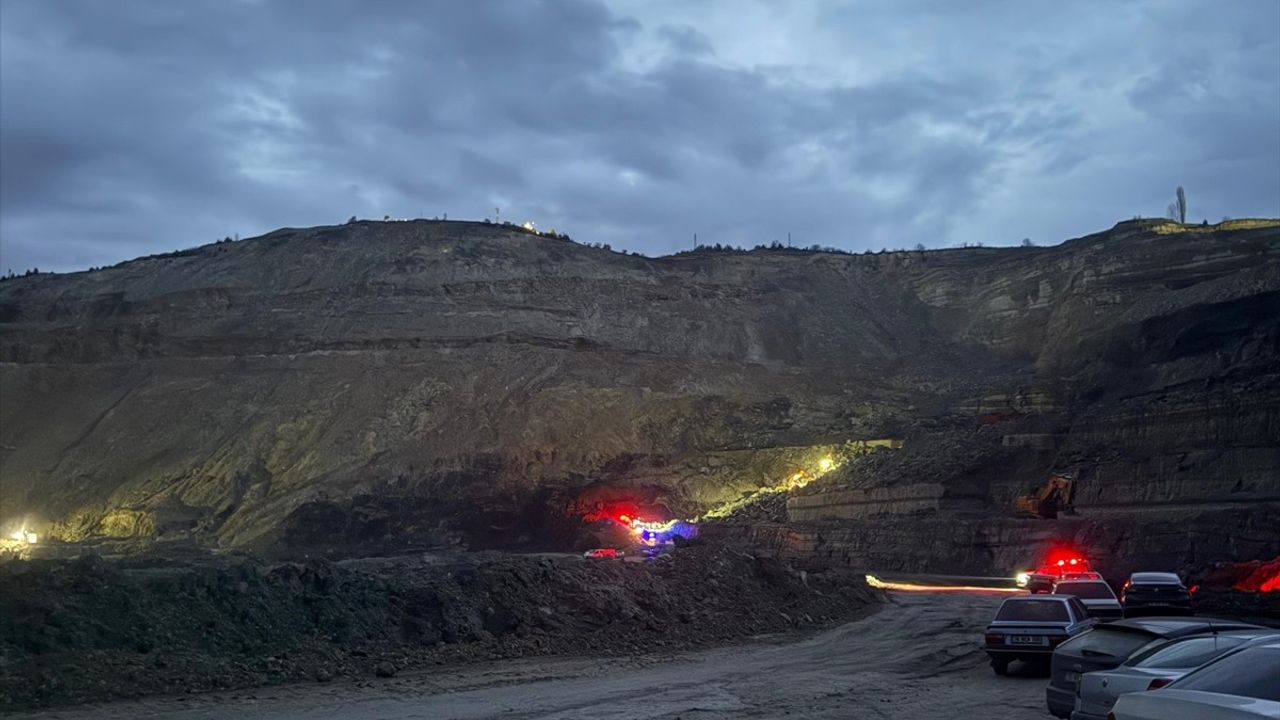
pixel 919 658
pixel 89 629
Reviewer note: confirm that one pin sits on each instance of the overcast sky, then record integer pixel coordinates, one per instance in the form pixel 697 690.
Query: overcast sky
pixel 133 127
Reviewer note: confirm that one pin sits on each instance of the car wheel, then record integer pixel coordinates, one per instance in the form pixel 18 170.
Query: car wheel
pixel 1001 667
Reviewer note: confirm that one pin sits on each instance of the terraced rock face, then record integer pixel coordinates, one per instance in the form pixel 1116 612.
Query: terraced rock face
pixel 1157 386
pixel 419 381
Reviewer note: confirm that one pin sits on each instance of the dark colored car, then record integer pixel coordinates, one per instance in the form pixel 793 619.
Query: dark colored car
pixel 1029 627
pixel 1108 645
pixel 1156 668
pixel 1149 593
pixel 1244 683
pixel 1096 595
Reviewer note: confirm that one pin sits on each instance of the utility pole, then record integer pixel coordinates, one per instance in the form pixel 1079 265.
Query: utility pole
pixel 497 215
pixel 788 239
pixel 695 241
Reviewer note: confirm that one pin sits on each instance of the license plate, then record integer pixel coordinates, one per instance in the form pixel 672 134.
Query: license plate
pixel 1072 677
pixel 1028 640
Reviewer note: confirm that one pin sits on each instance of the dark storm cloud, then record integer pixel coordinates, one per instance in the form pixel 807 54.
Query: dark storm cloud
pixel 685 40
pixel 142 126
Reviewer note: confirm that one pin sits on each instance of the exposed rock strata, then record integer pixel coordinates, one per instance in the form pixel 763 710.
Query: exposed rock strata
pixel 422 379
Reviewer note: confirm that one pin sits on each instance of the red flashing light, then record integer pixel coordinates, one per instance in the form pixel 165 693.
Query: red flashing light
pixel 624 519
pixel 1258 577
pixel 1271 585
pixel 1060 560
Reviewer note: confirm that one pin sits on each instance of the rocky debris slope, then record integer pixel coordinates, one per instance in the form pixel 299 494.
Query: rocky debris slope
pixel 91 629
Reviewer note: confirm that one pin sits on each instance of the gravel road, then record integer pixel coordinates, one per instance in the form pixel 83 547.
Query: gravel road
pixel 916 658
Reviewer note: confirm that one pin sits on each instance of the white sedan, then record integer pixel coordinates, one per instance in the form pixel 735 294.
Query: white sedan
pixel 1097 691
pixel 1241 685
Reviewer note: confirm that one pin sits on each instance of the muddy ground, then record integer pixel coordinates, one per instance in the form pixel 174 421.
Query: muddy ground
pixel 89 630
pixel 917 658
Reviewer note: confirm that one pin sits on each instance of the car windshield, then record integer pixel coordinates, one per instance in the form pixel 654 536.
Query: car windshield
pixel 1107 642
pixel 1252 672
pixel 1033 611
pixel 1188 652
pixel 1085 590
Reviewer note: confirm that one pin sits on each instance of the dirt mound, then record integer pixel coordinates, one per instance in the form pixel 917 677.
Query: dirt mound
pixel 90 629
pixel 1253 576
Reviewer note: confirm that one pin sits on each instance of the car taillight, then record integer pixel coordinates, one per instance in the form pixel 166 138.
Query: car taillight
pixel 1159 683
pixel 1056 641
pixel 995 638
pixel 1111 716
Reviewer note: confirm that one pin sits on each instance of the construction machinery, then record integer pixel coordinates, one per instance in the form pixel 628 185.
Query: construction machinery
pixel 1056 496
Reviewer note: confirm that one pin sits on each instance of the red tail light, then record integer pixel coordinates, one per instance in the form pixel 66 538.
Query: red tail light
pixel 995 638
pixel 1159 683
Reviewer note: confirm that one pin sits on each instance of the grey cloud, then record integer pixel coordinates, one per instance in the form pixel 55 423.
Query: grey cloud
pixel 685 40
pixel 145 125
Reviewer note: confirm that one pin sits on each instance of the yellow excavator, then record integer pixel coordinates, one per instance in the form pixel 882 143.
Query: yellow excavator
pixel 1057 495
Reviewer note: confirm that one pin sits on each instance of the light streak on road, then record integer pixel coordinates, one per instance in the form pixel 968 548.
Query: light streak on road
pixel 876 582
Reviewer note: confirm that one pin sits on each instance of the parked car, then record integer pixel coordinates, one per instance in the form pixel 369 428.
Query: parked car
pixel 1028 628
pixel 1109 644
pixel 1097 691
pixel 1096 595
pixel 1244 683
pixel 1148 593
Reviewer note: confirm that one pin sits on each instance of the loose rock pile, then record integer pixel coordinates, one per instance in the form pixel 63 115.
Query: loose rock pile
pixel 91 629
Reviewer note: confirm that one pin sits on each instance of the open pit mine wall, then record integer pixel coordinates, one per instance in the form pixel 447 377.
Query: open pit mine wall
pixel 1002 546
pixel 1172 435
pixel 1179 488
pixel 382 381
